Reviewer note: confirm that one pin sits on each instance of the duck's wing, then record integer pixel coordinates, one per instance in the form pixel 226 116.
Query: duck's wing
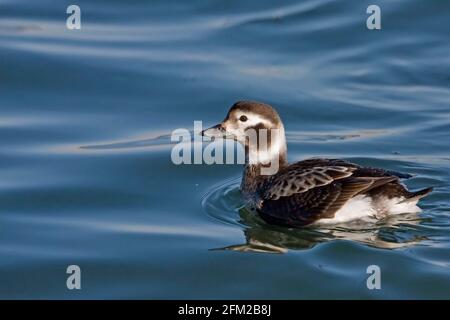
pixel 358 172
pixel 377 172
pixel 303 194
pixel 299 179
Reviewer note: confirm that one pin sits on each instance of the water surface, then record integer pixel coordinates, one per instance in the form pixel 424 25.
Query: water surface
pixel 85 170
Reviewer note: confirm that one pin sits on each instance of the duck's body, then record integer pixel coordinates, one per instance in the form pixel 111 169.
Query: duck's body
pixel 324 191
pixel 313 191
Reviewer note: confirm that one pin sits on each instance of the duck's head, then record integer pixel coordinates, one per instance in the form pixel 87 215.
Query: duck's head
pixel 250 123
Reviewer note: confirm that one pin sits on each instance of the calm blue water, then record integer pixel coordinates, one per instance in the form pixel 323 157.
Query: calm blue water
pixel 85 123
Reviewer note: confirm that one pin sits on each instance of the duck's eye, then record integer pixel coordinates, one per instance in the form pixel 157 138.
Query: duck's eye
pixel 243 118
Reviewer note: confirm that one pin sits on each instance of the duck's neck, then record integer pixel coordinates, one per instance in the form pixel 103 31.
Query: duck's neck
pixel 261 163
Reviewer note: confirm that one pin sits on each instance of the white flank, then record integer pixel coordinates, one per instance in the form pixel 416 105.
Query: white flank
pixel 361 207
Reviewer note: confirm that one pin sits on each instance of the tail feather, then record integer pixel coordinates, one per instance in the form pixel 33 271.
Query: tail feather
pixel 415 196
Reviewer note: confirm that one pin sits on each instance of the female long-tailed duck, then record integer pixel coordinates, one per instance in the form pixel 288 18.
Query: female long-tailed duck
pixel 313 191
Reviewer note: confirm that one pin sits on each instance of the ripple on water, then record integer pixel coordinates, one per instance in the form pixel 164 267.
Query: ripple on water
pixel 224 201
pixel 158 141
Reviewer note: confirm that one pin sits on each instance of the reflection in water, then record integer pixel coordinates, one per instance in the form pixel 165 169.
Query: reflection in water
pixel 391 233
pixel 162 139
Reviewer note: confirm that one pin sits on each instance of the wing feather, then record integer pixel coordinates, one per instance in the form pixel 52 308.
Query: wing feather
pixel 314 189
pixel 300 180
pixel 318 203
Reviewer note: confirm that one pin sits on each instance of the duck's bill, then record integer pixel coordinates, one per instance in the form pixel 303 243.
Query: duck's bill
pixel 216 131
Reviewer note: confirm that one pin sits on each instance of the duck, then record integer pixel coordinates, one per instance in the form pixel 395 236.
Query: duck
pixel 315 191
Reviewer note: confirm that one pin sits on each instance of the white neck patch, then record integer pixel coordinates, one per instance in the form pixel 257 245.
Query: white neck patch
pixel 268 154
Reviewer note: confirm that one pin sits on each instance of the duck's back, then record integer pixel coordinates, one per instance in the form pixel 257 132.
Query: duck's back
pixel 332 191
